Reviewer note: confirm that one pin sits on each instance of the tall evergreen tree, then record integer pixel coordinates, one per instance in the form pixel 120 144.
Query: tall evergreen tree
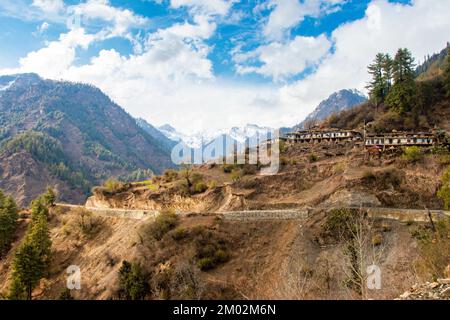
pixel 38 208
pixel 376 86
pixel 28 269
pixel 387 73
pixel 49 197
pixel 403 66
pixel 401 96
pixel 8 222
pixel 39 236
pixel 33 255
pixel 381 72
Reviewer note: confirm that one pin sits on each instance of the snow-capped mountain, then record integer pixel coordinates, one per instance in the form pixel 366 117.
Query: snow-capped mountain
pixel 239 134
pixel 338 101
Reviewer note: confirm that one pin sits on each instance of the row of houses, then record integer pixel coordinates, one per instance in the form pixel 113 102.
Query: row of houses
pixel 383 140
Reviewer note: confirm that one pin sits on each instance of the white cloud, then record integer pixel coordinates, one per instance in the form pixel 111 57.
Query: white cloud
pixel 218 7
pixel 121 20
pixel 49 6
pixel 280 60
pixel 202 29
pixel 56 57
pixel 287 14
pixel 43 27
pixel 172 80
pixel 385 28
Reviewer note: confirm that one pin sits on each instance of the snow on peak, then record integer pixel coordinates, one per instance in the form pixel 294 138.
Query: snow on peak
pixel 240 134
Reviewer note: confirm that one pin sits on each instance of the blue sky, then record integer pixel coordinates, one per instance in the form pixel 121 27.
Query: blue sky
pixel 208 64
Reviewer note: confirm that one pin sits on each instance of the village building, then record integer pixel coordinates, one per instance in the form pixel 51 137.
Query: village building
pixel 325 135
pixel 396 139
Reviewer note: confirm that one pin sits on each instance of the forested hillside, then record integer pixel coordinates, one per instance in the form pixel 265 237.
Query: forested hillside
pixel 67 135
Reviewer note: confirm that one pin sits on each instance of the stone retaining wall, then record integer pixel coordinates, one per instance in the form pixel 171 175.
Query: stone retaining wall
pixel 403 215
pixel 406 215
pixel 265 215
pixel 120 213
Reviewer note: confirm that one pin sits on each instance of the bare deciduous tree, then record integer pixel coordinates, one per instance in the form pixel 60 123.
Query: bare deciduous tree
pixel 361 251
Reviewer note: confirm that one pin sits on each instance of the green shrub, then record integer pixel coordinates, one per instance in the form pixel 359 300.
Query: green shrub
pixel 412 154
pixel 206 263
pixel 337 223
pixel 179 234
pixel 112 185
pixel 133 281
pixel 212 184
pixel 377 239
pixel 200 187
pixel 170 175
pixel 211 250
pixel 196 178
pixel 88 224
pixel 313 158
pixel 444 191
pixel 165 222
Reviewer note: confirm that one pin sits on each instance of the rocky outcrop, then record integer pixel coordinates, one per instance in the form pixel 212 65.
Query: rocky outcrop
pixel 439 290
pixel 347 198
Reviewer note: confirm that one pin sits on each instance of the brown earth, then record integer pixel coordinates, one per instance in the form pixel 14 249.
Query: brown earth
pixel 268 259
pixel 340 174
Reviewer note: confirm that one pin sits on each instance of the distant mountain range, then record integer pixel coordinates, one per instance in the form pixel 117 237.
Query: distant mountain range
pixel 338 101
pixel 157 134
pixel 70 136
pixel 335 103
pixel 238 134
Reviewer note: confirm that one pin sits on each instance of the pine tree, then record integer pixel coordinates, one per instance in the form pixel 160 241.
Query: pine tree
pixel 39 236
pixel 403 66
pixel 49 197
pixel 132 281
pixel 376 86
pixel 401 96
pixel 387 73
pixel 33 255
pixel 28 269
pixel 381 72
pixel 38 208
pixel 8 222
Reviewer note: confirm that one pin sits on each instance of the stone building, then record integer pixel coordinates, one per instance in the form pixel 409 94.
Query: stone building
pixel 395 139
pixel 324 135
